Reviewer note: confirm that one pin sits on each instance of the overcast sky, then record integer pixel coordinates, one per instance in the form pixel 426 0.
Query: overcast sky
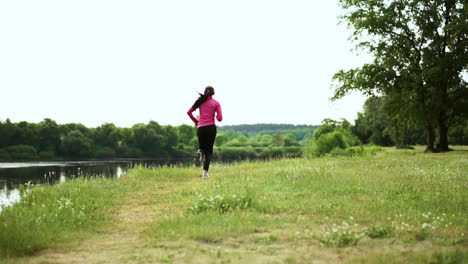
pixel 128 62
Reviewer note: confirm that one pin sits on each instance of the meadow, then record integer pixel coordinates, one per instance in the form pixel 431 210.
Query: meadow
pixel 395 206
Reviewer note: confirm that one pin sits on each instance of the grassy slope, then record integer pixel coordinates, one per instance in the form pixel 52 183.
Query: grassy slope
pixel 399 206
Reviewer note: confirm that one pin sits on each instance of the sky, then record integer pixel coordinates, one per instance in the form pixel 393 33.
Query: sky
pixel 128 62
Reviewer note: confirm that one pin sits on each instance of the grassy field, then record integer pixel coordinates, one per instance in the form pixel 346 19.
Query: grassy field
pixel 399 206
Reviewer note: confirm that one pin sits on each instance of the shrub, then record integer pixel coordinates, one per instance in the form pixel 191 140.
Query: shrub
pixel 4 155
pixel 355 151
pixel 129 152
pixel 341 152
pixel 47 155
pixel 104 152
pixel 270 152
pixel 22 152
pixel 326 143
pixel 235 153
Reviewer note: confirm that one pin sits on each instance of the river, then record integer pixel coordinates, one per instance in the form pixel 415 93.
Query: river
pixel 12 174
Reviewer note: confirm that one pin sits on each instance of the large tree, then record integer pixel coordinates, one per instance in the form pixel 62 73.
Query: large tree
pixel 420 50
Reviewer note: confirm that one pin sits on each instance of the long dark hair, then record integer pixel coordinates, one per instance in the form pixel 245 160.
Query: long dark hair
pixel 209 91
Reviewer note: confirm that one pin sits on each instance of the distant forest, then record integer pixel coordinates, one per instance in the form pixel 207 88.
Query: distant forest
pixel 256 128
pixel 48 140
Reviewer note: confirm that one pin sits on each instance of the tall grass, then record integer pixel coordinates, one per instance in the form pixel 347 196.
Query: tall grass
pixel 405 197
pixel 400 195
pixel 48 215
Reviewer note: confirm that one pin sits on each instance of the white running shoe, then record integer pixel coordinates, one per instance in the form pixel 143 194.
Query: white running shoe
pixel 206 176
pixel 198 160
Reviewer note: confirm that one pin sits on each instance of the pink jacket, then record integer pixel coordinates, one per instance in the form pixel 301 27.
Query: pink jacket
pixel 207 113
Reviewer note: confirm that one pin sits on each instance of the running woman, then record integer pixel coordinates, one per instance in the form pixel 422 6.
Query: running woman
pixel 206 128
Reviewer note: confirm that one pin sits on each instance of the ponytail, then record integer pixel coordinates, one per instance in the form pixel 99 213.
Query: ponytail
pixel 209 91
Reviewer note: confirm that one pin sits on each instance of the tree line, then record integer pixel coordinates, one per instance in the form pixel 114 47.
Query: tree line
pixel 48 140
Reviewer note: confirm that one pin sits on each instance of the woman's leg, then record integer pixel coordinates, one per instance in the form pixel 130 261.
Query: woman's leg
pixel 206 137
pixel 211 135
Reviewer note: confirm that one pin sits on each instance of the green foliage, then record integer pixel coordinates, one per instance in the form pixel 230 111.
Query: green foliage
pixel 103 152
pixel 458 134
pixel 46 155
pixel 221 139
pixel 234 153
pixel 419 54
pixel 75 144
pixel 49 135
pixel 327 142
pixel 329 125
pixel 75 141
pixel 269 129
pixel 331 137
pixel 289 140
pixel 186 133
pixel 279 152
pixel 249 153
pixel 4 155
pixel 264 135
pixel 382 125
pixel 22 152
pixel 106 135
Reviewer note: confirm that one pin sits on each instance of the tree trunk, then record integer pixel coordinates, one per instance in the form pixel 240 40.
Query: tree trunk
pixel 430 139
pixel 442 146
pixel 406 134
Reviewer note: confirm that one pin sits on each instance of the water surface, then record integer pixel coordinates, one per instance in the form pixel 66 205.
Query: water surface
pixel 12 174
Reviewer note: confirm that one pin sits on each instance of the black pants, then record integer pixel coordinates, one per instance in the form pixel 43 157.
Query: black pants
pixel 206 138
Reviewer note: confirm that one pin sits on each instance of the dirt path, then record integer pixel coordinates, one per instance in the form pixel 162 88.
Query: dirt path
pixel 118 243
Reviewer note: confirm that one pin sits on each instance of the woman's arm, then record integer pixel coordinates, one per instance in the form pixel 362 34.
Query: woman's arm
pixel 219 113
pixel 189 113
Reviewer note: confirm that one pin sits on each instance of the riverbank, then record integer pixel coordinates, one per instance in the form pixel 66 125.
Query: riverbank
pixel 398 206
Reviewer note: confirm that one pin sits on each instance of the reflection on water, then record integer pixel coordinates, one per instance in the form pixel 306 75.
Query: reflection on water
pixel 8 197
pixel 14 174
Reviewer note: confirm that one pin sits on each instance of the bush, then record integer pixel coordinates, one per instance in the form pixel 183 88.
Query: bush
pixel 129 152
pixel 4 155
pixel 270 152
pixel 235 153
pixel 104 152
pixel 355 151
pixel 278 152
pixel 22 152
pixel 336 142
pixel 46 155
pixel 326 143
pixel 340 152
pixel 242 153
